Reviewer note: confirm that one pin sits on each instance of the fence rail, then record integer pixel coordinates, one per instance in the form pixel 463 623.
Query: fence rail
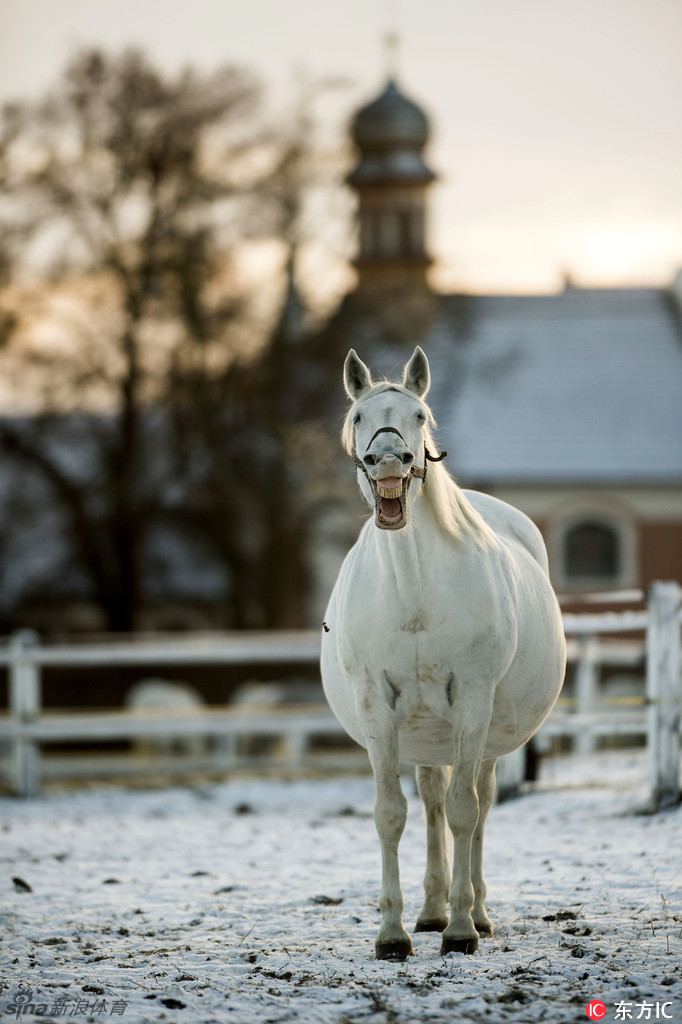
pixel 655 716
pixel 198 649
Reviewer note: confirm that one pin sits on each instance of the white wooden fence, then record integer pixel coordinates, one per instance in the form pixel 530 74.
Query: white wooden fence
pixel 26 726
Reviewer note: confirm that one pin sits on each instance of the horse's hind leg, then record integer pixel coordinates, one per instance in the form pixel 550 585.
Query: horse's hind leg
pixel 486 796
pixel 390 814
pixel 432 784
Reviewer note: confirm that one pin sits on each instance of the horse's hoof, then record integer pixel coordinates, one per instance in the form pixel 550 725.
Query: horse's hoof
pixel 399 949
pixel 434 924
pixel 484 930
pixel 467 946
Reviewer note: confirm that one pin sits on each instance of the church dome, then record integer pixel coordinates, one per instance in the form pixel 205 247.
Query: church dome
pixel 391 121
pixel 390 133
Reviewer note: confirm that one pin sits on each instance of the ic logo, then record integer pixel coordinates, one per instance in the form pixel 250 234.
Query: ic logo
pixel 596 1010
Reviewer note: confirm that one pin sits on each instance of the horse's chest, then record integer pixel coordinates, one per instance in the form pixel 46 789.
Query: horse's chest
pixel 418 637
pixel 421 625
pixel 406 644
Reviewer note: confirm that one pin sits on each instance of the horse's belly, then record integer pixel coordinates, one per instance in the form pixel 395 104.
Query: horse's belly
pixel 426 739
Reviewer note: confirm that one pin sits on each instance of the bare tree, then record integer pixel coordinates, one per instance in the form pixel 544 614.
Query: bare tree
pixel 124 196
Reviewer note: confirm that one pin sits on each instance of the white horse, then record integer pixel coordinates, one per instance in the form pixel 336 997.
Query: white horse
pixel 443 646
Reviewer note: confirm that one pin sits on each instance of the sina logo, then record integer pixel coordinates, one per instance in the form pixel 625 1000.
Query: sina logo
pixel 23 1003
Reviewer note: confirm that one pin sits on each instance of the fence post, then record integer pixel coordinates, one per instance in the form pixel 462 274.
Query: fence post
pixel 663 693
pixel 24 705
pixel 586 683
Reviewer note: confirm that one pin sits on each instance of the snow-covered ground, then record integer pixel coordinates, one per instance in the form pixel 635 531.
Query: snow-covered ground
pixel 255 901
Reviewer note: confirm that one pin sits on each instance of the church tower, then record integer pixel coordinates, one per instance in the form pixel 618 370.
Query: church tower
pixel 391 181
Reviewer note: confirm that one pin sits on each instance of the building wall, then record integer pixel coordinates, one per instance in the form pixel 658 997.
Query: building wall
pixel 646 521
pixel 660 551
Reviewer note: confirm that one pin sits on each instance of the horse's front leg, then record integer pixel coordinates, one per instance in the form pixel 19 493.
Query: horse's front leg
pixel 462 810
pixel 432 784
pixel 486 795
pixel 390 814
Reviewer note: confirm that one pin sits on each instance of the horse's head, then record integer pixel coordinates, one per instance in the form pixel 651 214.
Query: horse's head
pixel 385 431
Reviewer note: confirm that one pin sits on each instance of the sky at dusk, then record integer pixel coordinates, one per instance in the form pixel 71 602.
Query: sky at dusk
pixel 557 127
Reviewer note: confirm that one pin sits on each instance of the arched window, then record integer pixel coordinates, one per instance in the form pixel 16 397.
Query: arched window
pixel 592 545
pixel 592 551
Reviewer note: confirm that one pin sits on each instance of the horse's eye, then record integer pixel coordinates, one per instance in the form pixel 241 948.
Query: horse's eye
pixel 356 419
pixel 421 417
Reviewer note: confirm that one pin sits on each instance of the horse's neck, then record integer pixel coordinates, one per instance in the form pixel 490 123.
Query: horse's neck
pixel 407 558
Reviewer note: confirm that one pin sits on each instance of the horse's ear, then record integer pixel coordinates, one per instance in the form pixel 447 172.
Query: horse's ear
pixel 356 376
pixel 417 376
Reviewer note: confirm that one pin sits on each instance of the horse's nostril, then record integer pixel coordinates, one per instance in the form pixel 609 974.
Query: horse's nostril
pixel 373 460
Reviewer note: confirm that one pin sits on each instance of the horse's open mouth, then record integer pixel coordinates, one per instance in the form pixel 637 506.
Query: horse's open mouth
pixel 390 502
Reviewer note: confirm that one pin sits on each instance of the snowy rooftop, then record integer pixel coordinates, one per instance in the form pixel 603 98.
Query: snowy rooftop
pixel 582 387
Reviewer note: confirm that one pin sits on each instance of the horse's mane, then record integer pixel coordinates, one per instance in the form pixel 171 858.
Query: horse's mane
pixel 454 514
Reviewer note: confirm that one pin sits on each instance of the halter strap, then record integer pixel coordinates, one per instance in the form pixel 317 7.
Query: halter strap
pixel 385 430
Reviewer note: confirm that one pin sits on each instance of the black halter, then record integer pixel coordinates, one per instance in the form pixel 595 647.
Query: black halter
pixel 418 471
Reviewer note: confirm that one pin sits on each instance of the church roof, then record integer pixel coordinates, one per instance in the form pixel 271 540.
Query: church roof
pixel 579 387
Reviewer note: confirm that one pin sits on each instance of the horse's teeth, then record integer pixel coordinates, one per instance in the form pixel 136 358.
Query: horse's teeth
pixel 389 492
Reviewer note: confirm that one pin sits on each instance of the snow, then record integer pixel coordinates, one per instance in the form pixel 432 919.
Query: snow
pixel 255 901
